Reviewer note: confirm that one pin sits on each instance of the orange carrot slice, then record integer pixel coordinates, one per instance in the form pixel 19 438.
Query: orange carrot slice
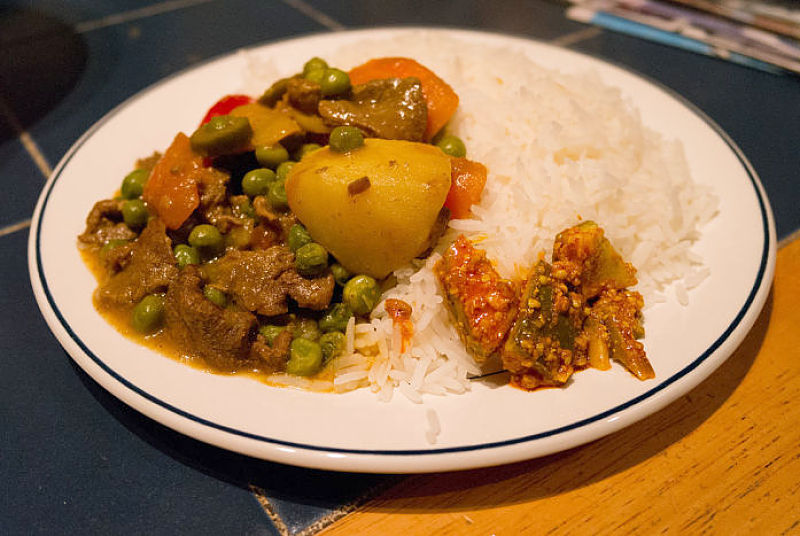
pixel 171 191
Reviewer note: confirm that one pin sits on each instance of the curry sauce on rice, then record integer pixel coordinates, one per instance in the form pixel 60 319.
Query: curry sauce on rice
pixel 385 226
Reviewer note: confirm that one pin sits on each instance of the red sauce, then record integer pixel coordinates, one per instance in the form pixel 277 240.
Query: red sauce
pixel 400 312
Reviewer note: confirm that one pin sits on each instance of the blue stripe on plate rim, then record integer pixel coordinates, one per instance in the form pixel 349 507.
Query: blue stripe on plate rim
pixel 757 284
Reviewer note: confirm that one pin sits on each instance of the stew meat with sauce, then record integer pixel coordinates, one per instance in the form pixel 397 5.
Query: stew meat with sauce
pixel 202 255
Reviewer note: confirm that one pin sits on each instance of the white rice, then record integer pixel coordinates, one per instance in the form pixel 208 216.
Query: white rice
pixel 560 149
pixel 434 428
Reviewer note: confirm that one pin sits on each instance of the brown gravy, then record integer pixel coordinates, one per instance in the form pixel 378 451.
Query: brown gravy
pixel 119 318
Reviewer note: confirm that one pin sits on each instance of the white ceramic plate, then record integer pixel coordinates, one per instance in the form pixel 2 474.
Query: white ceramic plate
pixel 353 431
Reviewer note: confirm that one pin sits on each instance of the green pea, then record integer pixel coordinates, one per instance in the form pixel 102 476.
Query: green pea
pixel 336 317
pixel 277 196
pixel 332 344
pixel 206 236
pixel 148 314
pixel 361 293
pixel 223 134
pixel 271 156
pixel 310 260
pixel 340 274
pixel 334 82
pixel 283 169
pixel 256 181
pixel 305 358
pixel 315 76
pixel 305 149
pixel 133 183
pixel 215 296
pixel 270 332
pixel 186 254
pixel 344 139
pixel 298 237
pixel 314 64
pixel 134 213
pixel 452 145
pixel 305 328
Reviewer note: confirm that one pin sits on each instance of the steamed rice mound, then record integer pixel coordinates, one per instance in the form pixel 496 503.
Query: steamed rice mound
pixel 560 149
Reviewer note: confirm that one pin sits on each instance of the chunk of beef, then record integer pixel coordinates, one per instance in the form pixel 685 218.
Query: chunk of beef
pixel 280 222
pixel 222 337
pixel 241 207
pixel 304 94
pixel 271 358
pixel 221 217
pixel 286 221
pixel 264 237
pixel 253 278
pixel 313 294
pixel 213 188
pixel 117 258
pixel 393 108
pixel 150 268
pixel 104 223
pixel 263 210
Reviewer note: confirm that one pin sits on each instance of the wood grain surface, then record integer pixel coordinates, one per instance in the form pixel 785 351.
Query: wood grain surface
pixel 724 459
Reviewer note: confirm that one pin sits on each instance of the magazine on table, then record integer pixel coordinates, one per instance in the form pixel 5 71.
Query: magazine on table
pixel 763 35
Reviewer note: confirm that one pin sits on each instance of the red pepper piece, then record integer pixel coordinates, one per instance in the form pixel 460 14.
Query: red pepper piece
pixel 225 105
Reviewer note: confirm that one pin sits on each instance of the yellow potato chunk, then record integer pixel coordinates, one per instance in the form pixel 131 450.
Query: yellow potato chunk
pixel 373 208
pixel 269 125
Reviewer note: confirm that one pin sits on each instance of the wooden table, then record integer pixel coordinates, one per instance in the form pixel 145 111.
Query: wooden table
pixel 724 459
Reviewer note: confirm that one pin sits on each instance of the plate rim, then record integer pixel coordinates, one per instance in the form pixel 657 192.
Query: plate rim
pixel 360 459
